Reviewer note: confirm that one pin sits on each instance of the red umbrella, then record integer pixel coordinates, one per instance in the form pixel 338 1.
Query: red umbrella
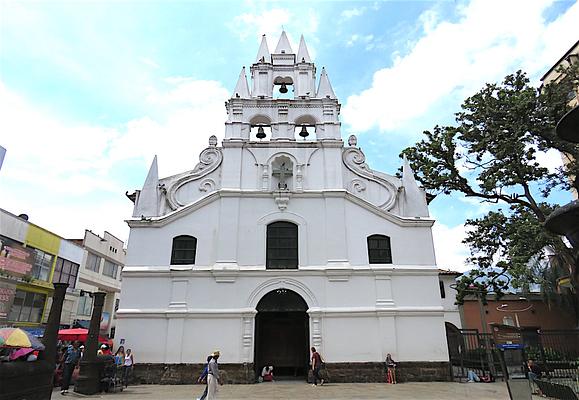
pixel 78 334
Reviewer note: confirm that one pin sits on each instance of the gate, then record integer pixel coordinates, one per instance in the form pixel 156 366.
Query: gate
pixel 556 353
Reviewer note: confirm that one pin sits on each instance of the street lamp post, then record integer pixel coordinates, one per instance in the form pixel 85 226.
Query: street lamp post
pixel 88 381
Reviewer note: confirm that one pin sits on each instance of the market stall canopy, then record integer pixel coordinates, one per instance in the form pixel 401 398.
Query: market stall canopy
pixel 80 334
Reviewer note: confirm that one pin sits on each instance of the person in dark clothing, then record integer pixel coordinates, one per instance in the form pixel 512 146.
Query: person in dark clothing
pixel 71 359
pixel 533 370
pixel 316 366
pixel 203 378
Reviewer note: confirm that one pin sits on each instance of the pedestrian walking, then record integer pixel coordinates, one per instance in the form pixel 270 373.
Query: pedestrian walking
pixel 120 356
pixel 203 377
pixel 316 367
pixel 213 377
pixel 128 367
pixel 71 359
pixel 390 369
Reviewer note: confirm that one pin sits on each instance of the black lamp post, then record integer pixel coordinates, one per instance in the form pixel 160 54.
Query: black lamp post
pixel 89 378
pixel 50 337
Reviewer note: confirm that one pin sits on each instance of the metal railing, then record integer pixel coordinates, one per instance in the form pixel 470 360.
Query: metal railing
pixel 555 352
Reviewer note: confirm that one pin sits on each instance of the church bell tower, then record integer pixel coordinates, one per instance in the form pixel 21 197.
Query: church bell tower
pixel 269 105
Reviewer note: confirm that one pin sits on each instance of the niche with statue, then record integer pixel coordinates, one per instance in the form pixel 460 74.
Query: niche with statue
pixel 282 171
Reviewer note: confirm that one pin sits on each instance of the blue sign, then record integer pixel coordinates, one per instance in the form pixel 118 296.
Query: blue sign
pixel 38 332
pixel 510 346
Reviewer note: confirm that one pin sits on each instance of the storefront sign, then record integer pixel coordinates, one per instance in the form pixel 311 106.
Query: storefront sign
pixel 15 259
pixel 7 292
pixel 105 321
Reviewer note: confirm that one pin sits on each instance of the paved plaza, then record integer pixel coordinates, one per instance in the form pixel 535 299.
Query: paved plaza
pixel 300 390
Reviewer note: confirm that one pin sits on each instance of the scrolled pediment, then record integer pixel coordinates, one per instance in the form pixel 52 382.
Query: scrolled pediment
pixel 355 160
pixel 209 160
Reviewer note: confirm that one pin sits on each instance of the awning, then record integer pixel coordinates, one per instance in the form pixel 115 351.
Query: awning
pixel 35 331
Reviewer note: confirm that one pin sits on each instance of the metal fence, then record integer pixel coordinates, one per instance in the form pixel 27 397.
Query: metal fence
pixel 470 350
pixel 555 352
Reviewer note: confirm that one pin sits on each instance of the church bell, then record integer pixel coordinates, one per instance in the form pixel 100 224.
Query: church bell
pixel 283 88
pixel 304 132
pixel 260 133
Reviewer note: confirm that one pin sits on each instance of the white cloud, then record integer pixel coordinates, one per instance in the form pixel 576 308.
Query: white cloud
pixel 552 159
pixel 352 12
pixel 367 40
pixel 270 23
pixel 450 251
pixel 60 170
pixel 454 59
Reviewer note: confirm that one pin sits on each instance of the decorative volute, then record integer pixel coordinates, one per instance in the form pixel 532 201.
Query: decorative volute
pixel 303 54
pixel 325 88
pixel 242 88
pixel 263 55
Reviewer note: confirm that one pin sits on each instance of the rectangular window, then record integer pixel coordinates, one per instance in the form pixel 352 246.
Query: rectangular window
pixel 42 265
pixel 93 262
pixel 379 250
pixel 110 269
pixel 84 305
pixel 282 246
pixel 442 292
pixel 65 272
pixel 27 307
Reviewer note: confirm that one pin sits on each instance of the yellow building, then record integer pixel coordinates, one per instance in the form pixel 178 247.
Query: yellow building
pixel 31 258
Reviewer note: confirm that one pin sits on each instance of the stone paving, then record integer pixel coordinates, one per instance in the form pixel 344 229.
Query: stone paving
pixel 300 390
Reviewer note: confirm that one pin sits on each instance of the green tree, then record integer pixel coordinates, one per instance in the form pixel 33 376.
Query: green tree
pixel 491 154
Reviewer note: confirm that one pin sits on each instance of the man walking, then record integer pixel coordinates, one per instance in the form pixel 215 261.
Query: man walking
pixel 213 377
pixel 316 366
pixel 203 377
pixel 71 359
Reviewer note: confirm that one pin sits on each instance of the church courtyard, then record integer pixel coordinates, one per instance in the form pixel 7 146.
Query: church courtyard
pixel 300 390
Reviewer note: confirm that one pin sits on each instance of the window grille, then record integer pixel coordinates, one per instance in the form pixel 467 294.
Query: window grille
pixel 184 250
pixel 379 251
pixel 282 246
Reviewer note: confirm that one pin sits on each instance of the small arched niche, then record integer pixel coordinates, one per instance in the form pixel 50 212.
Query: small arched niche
pixel 305 128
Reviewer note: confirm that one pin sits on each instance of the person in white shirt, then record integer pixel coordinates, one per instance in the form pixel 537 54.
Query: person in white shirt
pixel 128 367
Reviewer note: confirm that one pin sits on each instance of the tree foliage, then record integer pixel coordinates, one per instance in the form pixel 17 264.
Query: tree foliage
pixel 492 153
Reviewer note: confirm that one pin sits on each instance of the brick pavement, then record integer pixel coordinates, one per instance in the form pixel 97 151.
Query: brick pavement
pixel 300 390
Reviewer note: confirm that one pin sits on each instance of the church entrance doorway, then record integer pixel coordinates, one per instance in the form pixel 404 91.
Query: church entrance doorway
pixel 282 334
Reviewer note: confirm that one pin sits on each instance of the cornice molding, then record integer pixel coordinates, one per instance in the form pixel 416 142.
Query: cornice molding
pixel 327 312
pixel 156 222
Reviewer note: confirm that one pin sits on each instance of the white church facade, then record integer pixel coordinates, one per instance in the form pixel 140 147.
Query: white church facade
pixel 279 239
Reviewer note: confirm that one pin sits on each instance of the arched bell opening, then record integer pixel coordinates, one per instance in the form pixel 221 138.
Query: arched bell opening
pixel 305 132
pixel 260 128
pixel 284 86
pixel 282 334
pixel 260 132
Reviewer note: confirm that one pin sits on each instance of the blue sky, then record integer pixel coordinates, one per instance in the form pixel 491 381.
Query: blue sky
pixel 91 91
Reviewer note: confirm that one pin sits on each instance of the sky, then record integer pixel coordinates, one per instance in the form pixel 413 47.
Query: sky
pixel 91 91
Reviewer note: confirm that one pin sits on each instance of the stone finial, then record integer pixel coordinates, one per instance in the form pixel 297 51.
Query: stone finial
pixel 148 200
pixel 303 54
pixel 263 52
pixel 241 88
pixel 325 87
pixel 212 140
pixel 352 141
pixel 283 46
